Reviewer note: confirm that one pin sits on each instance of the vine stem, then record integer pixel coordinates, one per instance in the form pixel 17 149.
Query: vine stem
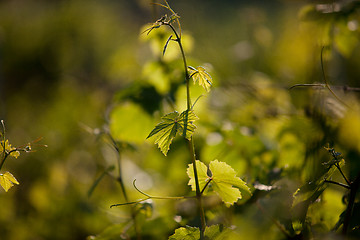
pixel 3 144
pixel 339 184
pixel 354 186
pixel 190 141
pixel 122 186
pixel 3 160
pixel 342 174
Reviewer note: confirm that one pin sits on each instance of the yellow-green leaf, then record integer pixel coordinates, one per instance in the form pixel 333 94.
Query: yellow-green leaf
pixel 202 175
pixel 186 233
pixel 200 75
pixel 7 180
pixel 128 123
pixel 6 147
pixel 224 181
pixel 214 232
pixel 172 124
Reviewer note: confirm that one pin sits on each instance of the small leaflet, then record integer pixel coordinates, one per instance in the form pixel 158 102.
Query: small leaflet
pixel 202 77
pixel 6 147
pixel 7 181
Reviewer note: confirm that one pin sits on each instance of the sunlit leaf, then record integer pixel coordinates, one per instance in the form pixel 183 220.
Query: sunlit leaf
pixel 214 232
pixel 200 76
pixel 6 147
pixel 7 180
pixel 202 175
pixel 172 124
pixel 129 123
pixel 223 180
pixel 186 233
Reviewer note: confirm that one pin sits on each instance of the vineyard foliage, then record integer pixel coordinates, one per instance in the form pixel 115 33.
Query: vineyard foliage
pixel 179 120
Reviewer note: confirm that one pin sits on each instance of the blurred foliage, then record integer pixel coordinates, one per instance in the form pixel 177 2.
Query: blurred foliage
pixel 68 68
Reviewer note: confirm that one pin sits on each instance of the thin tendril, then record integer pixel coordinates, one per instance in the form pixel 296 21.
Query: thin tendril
pixel 148 197
pixel 325 79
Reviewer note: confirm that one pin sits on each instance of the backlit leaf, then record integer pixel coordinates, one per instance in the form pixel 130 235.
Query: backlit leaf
pixel 7 180
pixel 214 232
pixel 172 124
pixel 6 147
pixel 186 233
pixel 201 172
pixel 200 75
pixel 223 180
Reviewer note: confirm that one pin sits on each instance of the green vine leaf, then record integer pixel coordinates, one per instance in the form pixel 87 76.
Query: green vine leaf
pixel 7 148
pixel 186 233
pixel 172 124
pixel 200 75
pixel 202 175
pixel 214 232
pixel 223 180
pixel 7 181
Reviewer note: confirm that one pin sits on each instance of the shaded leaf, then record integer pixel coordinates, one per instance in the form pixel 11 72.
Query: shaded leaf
pixel 345 40
pixel 97 181
pixel 128 123
pixel 218 232
pixel 200 76
pixel 311 191
pixel 116 231
pixel 172 124
pixel 7 181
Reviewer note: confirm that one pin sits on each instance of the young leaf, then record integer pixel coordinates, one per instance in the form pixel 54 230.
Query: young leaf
pixel 200 75
pixel 219 232
pixel 6 147
pixel 214 232
pixel 7 180
pixel 202 175
pixel 186 233
pixel 173 123
pixel 224 180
